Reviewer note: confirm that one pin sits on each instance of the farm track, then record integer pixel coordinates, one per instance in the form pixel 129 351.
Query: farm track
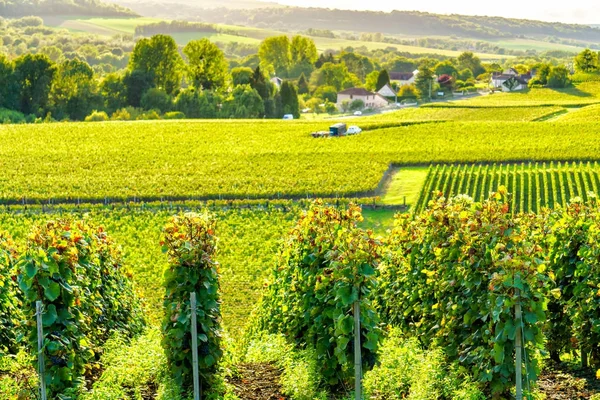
pixel 558 383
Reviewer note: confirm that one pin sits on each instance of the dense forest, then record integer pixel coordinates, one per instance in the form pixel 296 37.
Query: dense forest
pixel 397 22
pixel 21 8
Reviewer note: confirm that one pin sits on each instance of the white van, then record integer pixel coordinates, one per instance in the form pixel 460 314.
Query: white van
pixel 288 116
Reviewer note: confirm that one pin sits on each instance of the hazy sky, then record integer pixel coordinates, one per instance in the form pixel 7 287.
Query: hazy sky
pixel 578 11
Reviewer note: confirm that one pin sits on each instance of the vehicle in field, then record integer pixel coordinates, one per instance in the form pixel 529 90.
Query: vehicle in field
pixel 358 113
pixel 337 129
pixel 320 134
pixel 353 130
pixel 288 117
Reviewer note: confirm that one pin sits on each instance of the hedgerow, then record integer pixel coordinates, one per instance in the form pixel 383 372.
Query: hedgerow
pixel 325 264
pixel 190 243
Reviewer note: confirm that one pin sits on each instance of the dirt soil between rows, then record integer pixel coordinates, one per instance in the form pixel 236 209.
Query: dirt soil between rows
pixel 258 382
pixel 559 383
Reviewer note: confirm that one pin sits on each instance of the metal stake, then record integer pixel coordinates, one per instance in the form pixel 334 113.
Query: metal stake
pixel 357 353
pixel 197 389
pixel 518 349
pixel 40 337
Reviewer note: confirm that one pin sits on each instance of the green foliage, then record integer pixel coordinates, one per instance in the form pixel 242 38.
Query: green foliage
pixel 241 75
pixel 325 265
pixel 174 115
pixel 559 78
pixel 189 241
pixel 586 61
pixel 75 270
pixel 97 116
pixel 275 57
pixel 383 79
pixel 405 371
pixel 34 74
pixel 11 117
pixel 159 58
pixel 243 102
pixel 574 261
pixel 289 99
pixel 424 83
pixel 206 64
pixel 11 316
pixel 495 258
pixel 157 99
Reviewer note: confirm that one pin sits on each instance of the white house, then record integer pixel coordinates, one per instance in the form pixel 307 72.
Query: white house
pixel 387 91
pixel 404 78
pixel 510 80
pixel 277 81
pixel 370 99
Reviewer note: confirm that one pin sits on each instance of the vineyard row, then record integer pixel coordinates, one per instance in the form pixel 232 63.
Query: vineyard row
pixel 533 185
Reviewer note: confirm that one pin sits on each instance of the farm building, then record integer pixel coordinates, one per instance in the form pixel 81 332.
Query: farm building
pixel 404 78
pixel 371 100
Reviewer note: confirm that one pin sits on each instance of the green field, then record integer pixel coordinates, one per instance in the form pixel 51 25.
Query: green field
pixel 249 35
pixel 532 185
pixel 581 95
pixel 259 159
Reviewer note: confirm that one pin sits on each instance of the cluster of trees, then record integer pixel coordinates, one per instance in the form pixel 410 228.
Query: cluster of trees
pixel 29 35
pixel 587 61
pixel 157 78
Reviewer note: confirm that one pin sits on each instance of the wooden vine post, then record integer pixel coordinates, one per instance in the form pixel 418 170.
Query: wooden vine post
pixel 357 351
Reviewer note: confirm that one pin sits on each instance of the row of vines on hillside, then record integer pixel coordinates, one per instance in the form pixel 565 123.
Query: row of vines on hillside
pixel 533 185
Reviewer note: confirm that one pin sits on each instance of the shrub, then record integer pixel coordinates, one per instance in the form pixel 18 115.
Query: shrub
pixel 174 115
pixel 97 116
pixel 149 115
pixel 451 280
pixel 156 99
pixel 189 242
pixel 11 117
pixel 325 265
pixel 121 115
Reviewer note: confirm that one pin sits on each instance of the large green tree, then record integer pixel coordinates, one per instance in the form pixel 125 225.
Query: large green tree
pixel 241 75
pixel 243 102
pixel 74 93
pixel 382 79
pixel 9 88
pixel 558 77
pixel 207 67
pixel 158 56
pixel 275 56
pixel 114 92
pixel 34 74
pixel 303 55
pixel 424 82
pixel 586 61
pixel 358 65
pixel 470 61
pixel 336 75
